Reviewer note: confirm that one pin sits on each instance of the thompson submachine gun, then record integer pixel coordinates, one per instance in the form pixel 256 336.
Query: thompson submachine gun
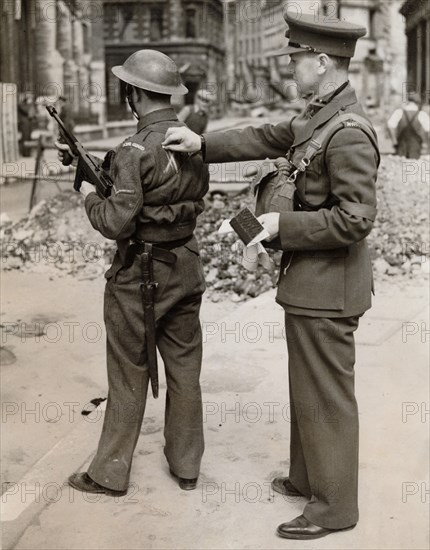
pixel 87 169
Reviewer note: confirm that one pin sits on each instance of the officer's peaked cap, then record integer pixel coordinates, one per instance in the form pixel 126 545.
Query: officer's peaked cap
pixel 153 71
pixel 320 34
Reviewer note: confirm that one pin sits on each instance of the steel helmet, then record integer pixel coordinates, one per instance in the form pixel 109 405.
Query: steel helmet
pixel 153 71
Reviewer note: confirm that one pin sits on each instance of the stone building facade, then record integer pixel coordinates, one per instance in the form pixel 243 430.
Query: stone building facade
pixel 54 48
pixel 189 31
pixel 417 23
pixel 378 69
pixel 257 30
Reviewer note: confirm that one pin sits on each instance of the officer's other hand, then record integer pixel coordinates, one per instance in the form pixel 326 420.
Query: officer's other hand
pixel 63 148
pixel 270 222
pixel 182 139
pixel 86 188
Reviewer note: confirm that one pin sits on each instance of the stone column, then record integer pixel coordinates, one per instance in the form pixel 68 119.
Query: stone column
pixel 65 48
pixel 84 89
pixel 49 62
pixel 64 31
pixel 78 52
pixel 98 91
pixel 176 15
pixel 97 69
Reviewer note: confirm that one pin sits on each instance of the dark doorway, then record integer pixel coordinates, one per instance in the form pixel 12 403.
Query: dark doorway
pixel 192 86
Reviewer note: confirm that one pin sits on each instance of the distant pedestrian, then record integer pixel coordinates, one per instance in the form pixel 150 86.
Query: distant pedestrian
pixel 43 122
pixel 196 116
pixel 65 112
pixel 409 128
pixel 26 119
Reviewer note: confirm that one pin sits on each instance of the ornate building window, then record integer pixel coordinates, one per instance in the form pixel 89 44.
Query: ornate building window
pixel 126 17
pixel 191 23
pixel 87 37
pixel 111 21
pixel 424 69
pixel 372 26
pixel 156 23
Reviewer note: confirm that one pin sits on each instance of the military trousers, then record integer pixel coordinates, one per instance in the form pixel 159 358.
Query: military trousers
pixel 179 341
pixel 409 145
pixel 324 418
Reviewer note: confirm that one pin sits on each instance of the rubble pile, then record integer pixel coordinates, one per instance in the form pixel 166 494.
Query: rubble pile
pixel 399 242
pixel 57 238
pixel 222 258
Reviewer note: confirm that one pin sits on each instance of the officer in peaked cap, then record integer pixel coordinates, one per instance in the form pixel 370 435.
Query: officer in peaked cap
pixel 154 287
pixel 307 34
pixel 325 280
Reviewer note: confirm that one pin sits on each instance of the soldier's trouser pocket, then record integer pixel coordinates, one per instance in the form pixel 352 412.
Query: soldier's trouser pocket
pixel 193 278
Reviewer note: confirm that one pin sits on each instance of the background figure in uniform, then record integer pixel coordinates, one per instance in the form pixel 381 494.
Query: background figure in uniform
pixel 44 124
pixel 196 116
pixel 65 112
pixel 26 118
pixel 409 128
pixel 325 278
pixel 152 211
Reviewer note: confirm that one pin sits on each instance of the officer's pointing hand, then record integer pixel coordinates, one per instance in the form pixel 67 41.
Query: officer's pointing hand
pixel 182 139
pixel 270 222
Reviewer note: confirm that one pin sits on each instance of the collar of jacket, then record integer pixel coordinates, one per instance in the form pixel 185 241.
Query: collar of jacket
pixel 160 115
pixel 336 103
pixel 316 102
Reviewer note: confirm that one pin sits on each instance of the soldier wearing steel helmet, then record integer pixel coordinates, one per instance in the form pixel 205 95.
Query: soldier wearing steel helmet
pixel 325 280
pixel 155 284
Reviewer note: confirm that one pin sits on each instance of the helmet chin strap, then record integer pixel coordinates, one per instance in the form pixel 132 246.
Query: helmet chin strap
pixel 129 94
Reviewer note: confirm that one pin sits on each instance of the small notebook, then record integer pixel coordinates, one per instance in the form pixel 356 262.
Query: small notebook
pixel 248 227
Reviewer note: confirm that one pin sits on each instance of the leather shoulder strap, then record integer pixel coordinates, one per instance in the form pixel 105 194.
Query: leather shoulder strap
pixel 347 120
pixel 409 124
pixel 411 120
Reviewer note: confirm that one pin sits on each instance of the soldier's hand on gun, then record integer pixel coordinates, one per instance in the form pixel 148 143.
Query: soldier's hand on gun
pixel 270 222
pixel 182 139
pixel 86 188
pixel 63 148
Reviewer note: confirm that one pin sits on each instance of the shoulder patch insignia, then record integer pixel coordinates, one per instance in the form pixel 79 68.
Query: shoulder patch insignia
pixel 132 144
pixel 352 124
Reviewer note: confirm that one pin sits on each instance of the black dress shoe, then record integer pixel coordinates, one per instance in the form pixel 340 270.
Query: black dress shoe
pixel 284 486
pixel 301 528
pixel 184 483
pixel 82 482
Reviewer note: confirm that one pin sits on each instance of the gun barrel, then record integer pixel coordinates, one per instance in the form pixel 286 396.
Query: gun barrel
pixel 67 135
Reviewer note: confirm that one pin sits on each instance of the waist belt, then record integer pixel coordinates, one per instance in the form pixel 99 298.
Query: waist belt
pixel 161 251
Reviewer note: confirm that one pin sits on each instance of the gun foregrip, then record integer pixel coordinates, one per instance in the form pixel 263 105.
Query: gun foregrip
pixel 67 159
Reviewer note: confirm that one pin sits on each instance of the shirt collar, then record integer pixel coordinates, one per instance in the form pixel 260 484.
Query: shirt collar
pixel 160 115
pixel 316 103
